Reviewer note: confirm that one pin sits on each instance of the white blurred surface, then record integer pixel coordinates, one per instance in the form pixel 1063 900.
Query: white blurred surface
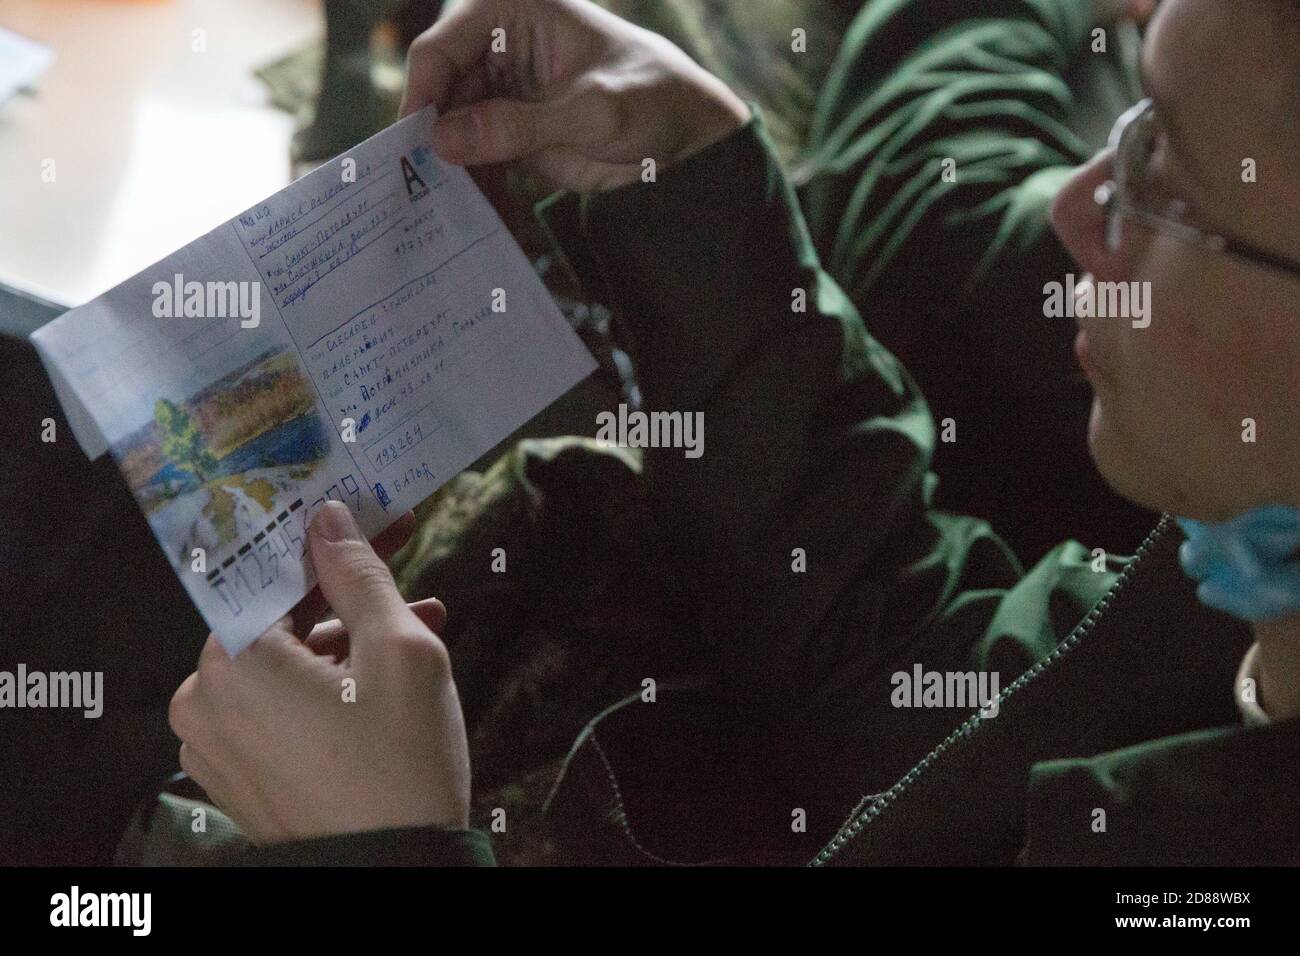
pixel 153 142
pixel 21 61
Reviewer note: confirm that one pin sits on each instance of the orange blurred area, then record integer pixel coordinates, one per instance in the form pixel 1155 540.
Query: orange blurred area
pixel 156 127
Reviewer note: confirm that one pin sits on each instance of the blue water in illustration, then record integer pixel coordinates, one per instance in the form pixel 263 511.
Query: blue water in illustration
pixel 298 441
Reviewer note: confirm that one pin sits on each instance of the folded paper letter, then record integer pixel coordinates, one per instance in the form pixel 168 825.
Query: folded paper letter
pixel 363 335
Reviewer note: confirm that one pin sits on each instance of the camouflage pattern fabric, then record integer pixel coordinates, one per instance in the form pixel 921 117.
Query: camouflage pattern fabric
pixel 560 604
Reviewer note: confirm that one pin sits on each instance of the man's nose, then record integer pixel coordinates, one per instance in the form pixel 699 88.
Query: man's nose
pixel 1081 223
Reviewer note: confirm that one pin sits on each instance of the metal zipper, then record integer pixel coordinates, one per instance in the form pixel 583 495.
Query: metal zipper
pixel 879 802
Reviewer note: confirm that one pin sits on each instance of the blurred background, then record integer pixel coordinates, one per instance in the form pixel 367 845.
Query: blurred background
pixel 153 122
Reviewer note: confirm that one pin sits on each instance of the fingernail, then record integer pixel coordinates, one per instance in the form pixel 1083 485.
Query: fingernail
pixel 334 522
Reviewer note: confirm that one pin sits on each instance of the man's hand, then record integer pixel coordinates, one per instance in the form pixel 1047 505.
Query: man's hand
pixel 358 729
pixel 577 95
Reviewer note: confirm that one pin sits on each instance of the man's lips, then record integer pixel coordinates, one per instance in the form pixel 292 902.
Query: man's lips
pixel 1081 353
pixel 1082 350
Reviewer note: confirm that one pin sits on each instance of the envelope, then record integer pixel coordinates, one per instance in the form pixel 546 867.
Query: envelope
pixel 361 336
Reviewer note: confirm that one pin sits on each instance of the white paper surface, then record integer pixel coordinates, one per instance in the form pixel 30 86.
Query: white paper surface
pixel 21 61
pixel 397 302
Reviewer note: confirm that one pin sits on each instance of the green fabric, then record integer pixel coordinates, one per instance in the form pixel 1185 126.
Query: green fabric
pixel 818 441
pixel 1205 798
pixel 751 45
pixel 560 601
pixel 986 91
pixel 812 428
pixel 947 263
pixel 412 846
pixel 823 444
pixel 175 830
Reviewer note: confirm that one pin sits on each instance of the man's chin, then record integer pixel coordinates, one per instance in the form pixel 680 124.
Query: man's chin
pixel 1119 463
pixel 1094 428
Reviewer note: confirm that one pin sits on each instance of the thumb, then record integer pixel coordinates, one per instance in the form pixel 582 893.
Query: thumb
pixel 503 130
pixel 493 131
pixel 356 582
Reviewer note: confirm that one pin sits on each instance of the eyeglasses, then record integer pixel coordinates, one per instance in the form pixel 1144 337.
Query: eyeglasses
pixel 1130 194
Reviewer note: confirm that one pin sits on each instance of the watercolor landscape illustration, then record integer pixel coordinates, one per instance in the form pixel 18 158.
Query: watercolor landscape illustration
pixel 212 468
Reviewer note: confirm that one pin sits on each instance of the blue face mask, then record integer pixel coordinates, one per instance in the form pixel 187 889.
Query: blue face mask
pixel 1248 567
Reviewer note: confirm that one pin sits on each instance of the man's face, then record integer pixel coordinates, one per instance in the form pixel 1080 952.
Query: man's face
pixel 1172 400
